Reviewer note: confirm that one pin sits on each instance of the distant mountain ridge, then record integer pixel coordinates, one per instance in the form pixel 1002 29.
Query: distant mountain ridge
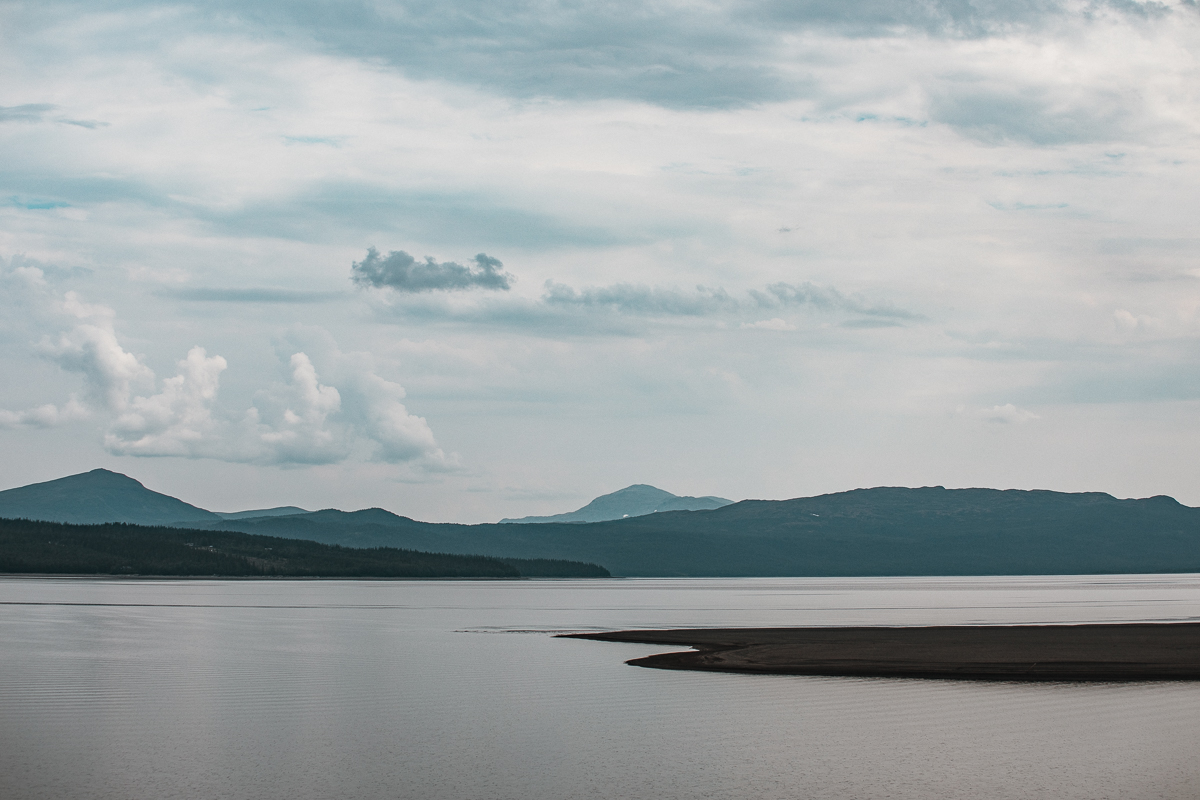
pixel 880 531
pixel 281 511
pixel 102 496
pixel 637 500
pixel 95 497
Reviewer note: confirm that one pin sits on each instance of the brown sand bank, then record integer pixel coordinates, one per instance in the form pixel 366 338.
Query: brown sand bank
pixel 1124 652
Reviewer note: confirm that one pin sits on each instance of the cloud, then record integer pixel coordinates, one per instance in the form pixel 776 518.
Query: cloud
pixel 176 421
pixel 31 112
pixel 35 204
pixel 367 207
pixel 403 273
pixel 90 124
pixel 640 300
pixel 36 112
pixel 953 19
pixel 775 324
pixel 634 299
pixel 332 141
pixel 45 416
pixel 866 324
pixel 625 309
pixel 825 298
pixel 301 420
pixel 672 54
pixel 203 294
pixel 90 347
pixel 1006 414
pixel 1036 115
pixel 658 53
pixel 375 407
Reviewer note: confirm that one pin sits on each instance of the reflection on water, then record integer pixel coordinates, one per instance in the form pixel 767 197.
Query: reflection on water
pixel 379 689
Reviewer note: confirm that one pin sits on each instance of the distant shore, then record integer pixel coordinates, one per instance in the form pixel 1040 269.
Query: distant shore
pixel 1110 652
pixel 165 577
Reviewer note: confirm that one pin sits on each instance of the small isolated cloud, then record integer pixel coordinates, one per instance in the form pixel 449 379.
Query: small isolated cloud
pixel 90 124
pixel 1127 322
pixel 403 273
pixel 775 324
pixel 1005 414
pixel 1124 320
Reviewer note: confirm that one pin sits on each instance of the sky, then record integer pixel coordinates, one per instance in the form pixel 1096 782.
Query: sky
pixel 475 260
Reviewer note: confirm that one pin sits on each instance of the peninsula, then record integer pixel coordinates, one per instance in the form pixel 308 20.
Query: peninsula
pixel 1109 652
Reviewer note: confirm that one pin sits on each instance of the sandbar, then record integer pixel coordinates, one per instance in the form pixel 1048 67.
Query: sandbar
pixel 1109 652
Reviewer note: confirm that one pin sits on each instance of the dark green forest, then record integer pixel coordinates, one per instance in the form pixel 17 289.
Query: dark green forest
pixel 28 546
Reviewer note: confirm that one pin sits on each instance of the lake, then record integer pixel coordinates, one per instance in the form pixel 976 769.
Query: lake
pixel 457 689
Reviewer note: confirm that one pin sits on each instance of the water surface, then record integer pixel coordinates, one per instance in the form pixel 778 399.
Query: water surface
pixel 410 689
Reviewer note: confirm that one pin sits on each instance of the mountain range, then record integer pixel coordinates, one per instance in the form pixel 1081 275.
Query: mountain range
pixel 877 531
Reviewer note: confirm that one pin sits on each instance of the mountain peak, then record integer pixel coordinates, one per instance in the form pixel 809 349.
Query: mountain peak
pixel 100 495
pixel 636 500
pixel 102 474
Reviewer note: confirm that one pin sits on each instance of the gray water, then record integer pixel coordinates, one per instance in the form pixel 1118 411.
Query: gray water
pixel 397 689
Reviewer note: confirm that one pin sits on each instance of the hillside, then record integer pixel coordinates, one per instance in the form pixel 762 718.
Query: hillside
pixel 98 496
pixel 281 511
pixel 632 501
pixel 881 531
pixel 28 546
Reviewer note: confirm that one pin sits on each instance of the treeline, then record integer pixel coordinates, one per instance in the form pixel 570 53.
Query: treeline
pixel 30 546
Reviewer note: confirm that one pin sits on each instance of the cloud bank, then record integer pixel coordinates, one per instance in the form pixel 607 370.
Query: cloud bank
pixel 673 54
pixel 581 308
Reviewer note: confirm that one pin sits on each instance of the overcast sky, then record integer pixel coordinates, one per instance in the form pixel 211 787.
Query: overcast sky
pixel 471 260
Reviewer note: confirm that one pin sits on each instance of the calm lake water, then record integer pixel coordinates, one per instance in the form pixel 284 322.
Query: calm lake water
pixel 390 689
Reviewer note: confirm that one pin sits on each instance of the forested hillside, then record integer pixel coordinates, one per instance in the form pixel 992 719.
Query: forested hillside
pixel 28 546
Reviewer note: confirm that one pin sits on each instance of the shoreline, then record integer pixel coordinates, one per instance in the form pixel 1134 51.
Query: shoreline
pixel 126 577
pixel 1168 651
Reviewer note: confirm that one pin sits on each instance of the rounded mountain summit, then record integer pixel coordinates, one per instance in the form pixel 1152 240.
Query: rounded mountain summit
pixel 95 497
pixel 637 500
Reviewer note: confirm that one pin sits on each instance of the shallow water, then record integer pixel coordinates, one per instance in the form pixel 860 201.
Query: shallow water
pixel 373 689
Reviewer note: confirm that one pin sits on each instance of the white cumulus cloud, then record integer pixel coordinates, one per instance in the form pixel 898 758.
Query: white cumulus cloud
pixel 302 420
pixel 177 421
